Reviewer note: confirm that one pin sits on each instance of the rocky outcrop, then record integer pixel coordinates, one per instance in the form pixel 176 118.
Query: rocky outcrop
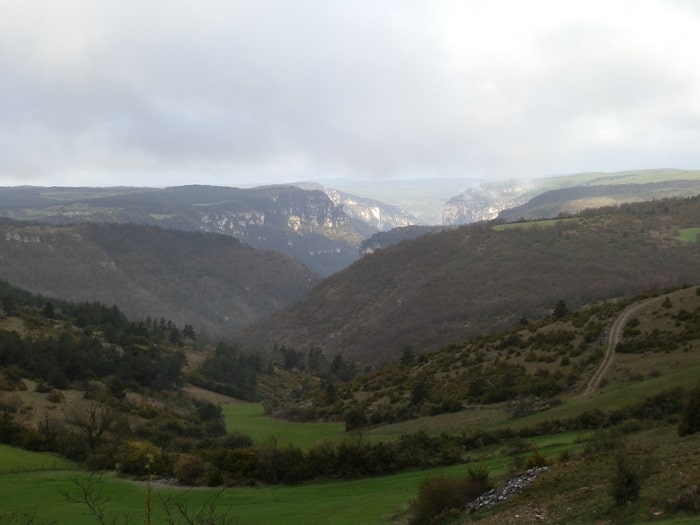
pixel 378 215
pixel 512 487
pixel 484 202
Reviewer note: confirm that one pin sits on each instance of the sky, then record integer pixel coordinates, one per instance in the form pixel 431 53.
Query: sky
pixel 235 92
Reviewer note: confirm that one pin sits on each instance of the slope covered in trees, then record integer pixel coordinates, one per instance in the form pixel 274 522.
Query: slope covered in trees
pixel 212 282
pixel 453 285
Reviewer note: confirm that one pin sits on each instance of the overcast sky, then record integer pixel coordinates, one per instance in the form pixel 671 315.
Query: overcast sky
pixel 165 92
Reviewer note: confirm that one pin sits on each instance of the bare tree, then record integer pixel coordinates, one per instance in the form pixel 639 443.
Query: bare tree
pixel 90 495
pixel 93 419
pixel 178 513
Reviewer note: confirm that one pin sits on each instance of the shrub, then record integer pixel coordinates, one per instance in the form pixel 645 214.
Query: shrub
pixel 536 459
pixel 439 496
pixel 688 501
pixel 141 458
pixel 626 481
pixel 190 469
pixel 690 418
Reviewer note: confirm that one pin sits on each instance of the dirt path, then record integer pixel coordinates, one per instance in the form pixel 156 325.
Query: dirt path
pixel 613 339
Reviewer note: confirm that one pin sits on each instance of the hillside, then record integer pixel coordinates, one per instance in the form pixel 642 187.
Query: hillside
pixel 547 197
pixel 453 285
pixel 574 200
pixel 213 282
pixel 531 367
pixel 82 381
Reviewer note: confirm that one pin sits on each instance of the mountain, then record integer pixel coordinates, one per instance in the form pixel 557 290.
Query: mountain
pixel 213 282
pixel 484 202
pixel 421 198
pixel 303 223
pixel 453 285
pixel 376 214
pixel 573 200
pixel 567 194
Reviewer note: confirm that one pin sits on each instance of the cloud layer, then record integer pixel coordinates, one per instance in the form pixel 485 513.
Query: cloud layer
pixel 102 92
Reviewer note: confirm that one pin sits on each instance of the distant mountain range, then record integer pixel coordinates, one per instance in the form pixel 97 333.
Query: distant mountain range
pixel 320 227
pixel 327 229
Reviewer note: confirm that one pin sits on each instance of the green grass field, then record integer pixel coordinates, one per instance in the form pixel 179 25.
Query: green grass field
pixel 367 501
pixel 43 493
pixel 18 460
pixel 250 419
pixel 689 235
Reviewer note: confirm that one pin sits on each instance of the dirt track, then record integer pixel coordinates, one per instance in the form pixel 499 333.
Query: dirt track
pixel 614 338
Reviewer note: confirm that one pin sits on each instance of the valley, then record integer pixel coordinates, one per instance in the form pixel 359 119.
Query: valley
pixel 445 359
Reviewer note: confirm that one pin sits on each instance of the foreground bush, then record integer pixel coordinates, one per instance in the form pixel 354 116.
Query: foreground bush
pixel 440 496
pixel 690 418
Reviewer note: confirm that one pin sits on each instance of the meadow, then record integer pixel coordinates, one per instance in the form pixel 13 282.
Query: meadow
pixel 689 235
pixel 27 478
pixel 250 419
pixel 368 501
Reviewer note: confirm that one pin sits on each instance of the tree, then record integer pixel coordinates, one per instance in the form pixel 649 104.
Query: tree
pixel 419 392
pixel 560 310
pixel 626 480
pixel 11 410
pixel 88 492
pixel 188 332
pixel 93 419
pixel 49 311
pixel 690 419
pixel 407 355
pixel 355 420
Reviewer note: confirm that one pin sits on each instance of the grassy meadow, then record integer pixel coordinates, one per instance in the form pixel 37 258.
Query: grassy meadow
pixel 689 235
pixel 250 419
pixel 368 501
pixel 13 460
pixel 42 492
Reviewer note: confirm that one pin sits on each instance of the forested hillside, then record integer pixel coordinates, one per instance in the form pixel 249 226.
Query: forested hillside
pixel 453 285
pixel 212 282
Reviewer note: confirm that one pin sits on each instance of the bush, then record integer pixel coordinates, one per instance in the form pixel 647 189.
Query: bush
pixel 687 501
pixel 190 469
pixel 439 496
pixel 626 481
pixel 141 458
pixel 690 418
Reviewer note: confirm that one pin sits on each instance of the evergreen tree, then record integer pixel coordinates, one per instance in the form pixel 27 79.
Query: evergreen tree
pixel 690 419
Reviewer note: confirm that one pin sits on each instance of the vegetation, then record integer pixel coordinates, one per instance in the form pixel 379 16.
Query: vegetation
pixel 212 282
pixel 259 217
pixel 441 496
pixel 409 441
pixel 689 234
pixel 461 283
pixel 690 418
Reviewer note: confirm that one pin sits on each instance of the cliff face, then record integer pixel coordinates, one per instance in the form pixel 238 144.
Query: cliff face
pixel 373 214
pixel 485 202
pixel 306 224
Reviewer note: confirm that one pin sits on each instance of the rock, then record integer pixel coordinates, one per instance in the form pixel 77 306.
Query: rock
pixel 513 486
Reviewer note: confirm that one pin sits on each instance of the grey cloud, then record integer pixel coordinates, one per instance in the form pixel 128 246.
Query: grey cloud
pixel 243 89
